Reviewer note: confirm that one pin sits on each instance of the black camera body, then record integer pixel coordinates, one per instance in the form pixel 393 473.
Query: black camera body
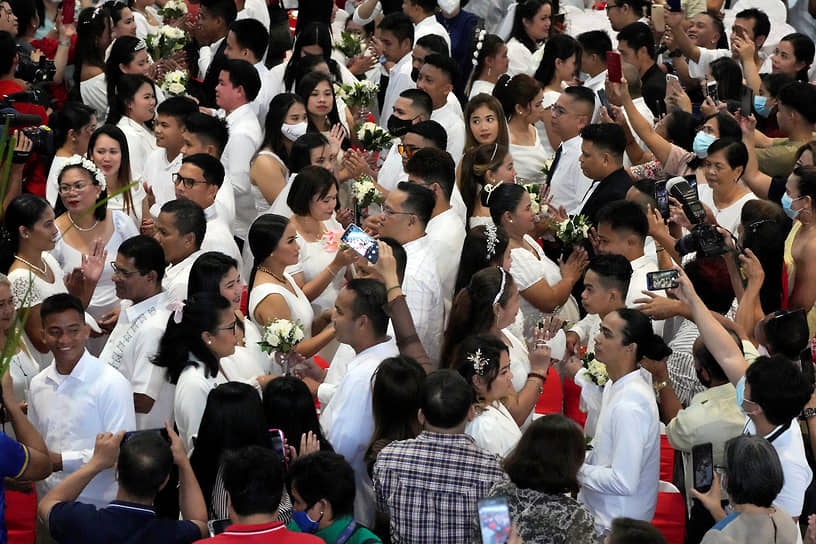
pixel 680 189
pixel 705 239
pixel 42 140
pixel 35 72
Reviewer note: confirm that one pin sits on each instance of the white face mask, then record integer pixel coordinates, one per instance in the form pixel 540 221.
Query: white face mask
pixel 449 6
pixel 293 132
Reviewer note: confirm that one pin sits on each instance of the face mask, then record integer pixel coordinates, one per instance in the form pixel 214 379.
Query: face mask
pixel 414 74
pixel 398 127
pixel 761 106
pixel 448 6
pixel 293 132
pixel 787 202
pixel 306 524
pixel 701 143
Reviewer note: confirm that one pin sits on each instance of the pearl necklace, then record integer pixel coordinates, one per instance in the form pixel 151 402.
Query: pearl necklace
pixel 82 229
pixel 42 271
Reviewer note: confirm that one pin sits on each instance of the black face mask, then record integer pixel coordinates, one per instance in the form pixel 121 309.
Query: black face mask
pixel 398 127
pixel 414 74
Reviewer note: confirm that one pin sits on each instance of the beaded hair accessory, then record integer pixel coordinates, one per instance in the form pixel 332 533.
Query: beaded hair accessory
pixel 177 307
pixel 501 287
pixel 139 45
pixel 491 239
pixel 495 149
pixel 480 37
pixel 93 16
pixel 489 188
pixel 479 362
pixel 87 164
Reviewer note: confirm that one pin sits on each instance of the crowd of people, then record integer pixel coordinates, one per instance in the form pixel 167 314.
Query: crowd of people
pixel 417 271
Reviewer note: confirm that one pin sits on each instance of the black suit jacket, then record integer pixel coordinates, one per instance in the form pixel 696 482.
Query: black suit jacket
pixel 207 91
pixel 653 89
pixel 613 187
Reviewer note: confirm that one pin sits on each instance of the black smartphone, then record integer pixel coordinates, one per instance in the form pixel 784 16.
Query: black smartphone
pixel 605 101
pixel 661 196
pixel 711 91
pixel 674 5
pixel 218 526
pixel 661 279
pixel 160 431
pixel 277 442
pixel 494 520
pixel 746 101
pixel 361 242
pixel 702 460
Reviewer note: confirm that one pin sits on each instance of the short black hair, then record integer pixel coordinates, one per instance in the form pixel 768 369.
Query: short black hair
pixel 61 302
pixel 446 398
pixel 399 255
pixel 177 106
pixel 221 8
pixel 638 35
pixel 754 471
pixel 582 94
pixel 434 44
pixel 614 271
pixel 624 215
pixel 420 101
pixel 595 42
pixel 144 463
pixel 707 361
pixel 398 24
pixel 607 137
pixel 324 475
pixel 444 63
pixel 253 477
pixel 786 333
pixel 147 255
pixel 251 34
pixel 211 167
pixel 420 200
pixel 428 6
pixel 8 50
pixel 801 97
pixel 762 24
pixel 369 300
pixel 430 130
pixel 311 181
pixel 634 531
pixel 433 166
pixel 209 129
pixel 189 217
pixel 243 74
pixel 779 387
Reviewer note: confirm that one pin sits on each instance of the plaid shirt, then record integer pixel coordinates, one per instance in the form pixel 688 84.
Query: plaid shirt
pixel 430 486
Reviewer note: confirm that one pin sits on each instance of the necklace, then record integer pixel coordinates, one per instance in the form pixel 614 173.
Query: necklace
pixel 42 270
pixel 82 229
pixel 267 271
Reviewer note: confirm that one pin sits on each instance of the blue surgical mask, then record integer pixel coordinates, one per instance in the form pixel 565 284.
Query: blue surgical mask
pixel 787 202
pixel 740 396
pixel 701 143
pixel 306 524
pixel 761 106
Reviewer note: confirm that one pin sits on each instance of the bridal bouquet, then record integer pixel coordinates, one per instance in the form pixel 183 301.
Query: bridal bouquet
pixel 364 192
pixel 174 83
pixel 535 193
pixel 573 231
pixel 281 335
pixel 167 42
pixel 373 138
pixel 173 9
pixel 595 369
pixel 547 166
pixel 350 44
pixel 361 93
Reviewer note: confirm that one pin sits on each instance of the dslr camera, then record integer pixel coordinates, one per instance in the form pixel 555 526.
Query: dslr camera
pixel 42 140
pixel 34 71
pixel 705 239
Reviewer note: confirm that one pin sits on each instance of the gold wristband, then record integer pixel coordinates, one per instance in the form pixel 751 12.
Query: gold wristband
pixel 660 386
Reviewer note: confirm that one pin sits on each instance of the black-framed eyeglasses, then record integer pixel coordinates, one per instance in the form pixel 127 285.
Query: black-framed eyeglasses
pixel 389 212
pixel 189 183
pixel 121 271
pixel 230 327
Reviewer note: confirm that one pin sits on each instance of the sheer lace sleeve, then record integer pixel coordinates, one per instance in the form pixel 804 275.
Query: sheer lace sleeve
pixel 24 290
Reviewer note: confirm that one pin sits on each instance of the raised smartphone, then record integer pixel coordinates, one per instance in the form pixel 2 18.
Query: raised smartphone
pixel 494 520
pixel 613 66
pixel 661 279
pixel 702 460
pixel 361 242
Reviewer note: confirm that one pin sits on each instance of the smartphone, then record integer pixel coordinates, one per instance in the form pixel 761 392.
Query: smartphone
pixel 746 101
pixel 674 5
pixel 68 9
pixel 361 242
pixel 661 196
pixel 658 17
pixel 604 101
pixel 672 77
pixel 711 91
pixel 218 526
pixel 613 66
pixel 661 279
pixel 160 431
pixel 277 442
pixel 702 460
pixel 494 520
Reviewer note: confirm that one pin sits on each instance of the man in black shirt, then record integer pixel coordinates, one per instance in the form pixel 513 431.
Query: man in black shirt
pixel 636 46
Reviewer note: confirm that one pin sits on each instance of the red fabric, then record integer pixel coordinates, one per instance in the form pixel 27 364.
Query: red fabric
pixel 572 400
pixel 670 517
pixel 551 399
pixel 10 87
pixel 321 362
pixel 784 305
pixel 666 459
pixel 21 513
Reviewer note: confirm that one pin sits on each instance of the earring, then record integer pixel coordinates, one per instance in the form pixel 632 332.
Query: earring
pixel 511 219
pixel 209 342
pixel 488 70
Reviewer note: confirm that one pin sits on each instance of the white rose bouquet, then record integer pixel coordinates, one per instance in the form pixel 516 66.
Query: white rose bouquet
pixel 548 166
pixel 535 195
pixel 350 44
pixel 360 94
pixel 364 192
pixel 572 232
pixel 173 9
pixel 595 369
pixel 373 138
pixel 167 42
pixel 174 83
pixel 281 335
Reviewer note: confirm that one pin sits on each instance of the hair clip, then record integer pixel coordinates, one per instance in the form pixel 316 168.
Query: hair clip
pixel 177 307
pixel 139 45
pixel 489 188
pixel 501 287
pixel 491 239
pixel 478 361
pixel 495 148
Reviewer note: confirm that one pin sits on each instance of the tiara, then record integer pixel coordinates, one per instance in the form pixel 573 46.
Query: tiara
pixel 87 164
pixel 479 362
pixel 489 188
pixel 491 234
pixel 139 45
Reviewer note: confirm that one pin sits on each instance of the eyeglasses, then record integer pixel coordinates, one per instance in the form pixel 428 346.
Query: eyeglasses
pixel 406 151
pixel 78 187
pixel 230 327
pixel 610 6
pixel 389 212
pixel 121 271
pixel 189 183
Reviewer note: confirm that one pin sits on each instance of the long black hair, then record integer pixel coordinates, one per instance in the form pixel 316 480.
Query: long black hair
pixel 208 271
pixel 475 255
pixel 559 47
pixel 123 179
pixel 314 33
pixel 91 25
pixel 278 110
pixel 288 405
pixel 23 211
pixel 526 9
pixel 264 235
pixel 126 89
pixel 304 90
pixel 123 51
pixel 201 313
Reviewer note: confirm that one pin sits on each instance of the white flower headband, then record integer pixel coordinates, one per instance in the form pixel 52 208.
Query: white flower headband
pixel 479 43
pixel 492 238
pixel 479 362
pixel 87 164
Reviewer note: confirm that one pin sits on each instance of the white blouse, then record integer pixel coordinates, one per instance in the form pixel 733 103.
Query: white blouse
pixel 481 86
pixel 94 93
pixel 314 258
pixel 192 390
pixel 494 429
pixel 521 60
pixel 529 160
pixel 141 142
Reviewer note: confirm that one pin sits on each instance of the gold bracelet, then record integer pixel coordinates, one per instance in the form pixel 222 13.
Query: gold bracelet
pixel 660 386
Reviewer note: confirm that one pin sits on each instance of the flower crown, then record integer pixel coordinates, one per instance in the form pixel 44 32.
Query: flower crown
pixel 87 164
pixel 479 362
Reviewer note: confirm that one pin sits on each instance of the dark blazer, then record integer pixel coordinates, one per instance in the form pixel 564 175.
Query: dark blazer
pixel 611 188
pixel 207 97
pixel 653 89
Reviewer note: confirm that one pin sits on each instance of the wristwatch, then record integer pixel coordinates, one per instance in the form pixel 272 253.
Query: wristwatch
pixel 808 413
pixel 659 386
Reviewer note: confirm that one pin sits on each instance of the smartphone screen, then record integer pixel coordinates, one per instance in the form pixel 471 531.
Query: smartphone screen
pixel 218 526
pixel 604 101
pixel 661 196
pixel 68 8
pixel 661 279
pixel 702 460
pixel 613 66
pixel 747 102
pixel 711 91
pixel 674 5
pixel 277 442
pixel 360 241
pixel 494 520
